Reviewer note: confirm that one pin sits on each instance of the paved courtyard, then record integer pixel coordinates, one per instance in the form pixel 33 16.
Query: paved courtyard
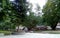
pixel 33 35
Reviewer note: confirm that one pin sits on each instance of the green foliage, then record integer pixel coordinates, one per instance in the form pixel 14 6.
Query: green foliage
pixel 32 19
pixel 51 13
pixel 30 22
pixel 9 17
pixel 6 16
pixel 12 15
pixel 20 11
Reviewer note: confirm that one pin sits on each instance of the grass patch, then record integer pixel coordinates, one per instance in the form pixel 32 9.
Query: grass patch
pixel 37 31
pixel 52 32
pixel 48 31
pixel 6 32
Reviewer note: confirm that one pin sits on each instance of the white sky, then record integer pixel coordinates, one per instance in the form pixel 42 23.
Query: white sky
pixel 11 0
pixel 41 3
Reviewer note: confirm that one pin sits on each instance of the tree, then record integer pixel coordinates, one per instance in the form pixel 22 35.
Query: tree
pixel 51 13
pixel 33 20
pixel 6 15
pixel 20 7
pixel 13 14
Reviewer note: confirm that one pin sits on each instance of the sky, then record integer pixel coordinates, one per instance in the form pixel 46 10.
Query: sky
pixel 11 0
pixel 41 3
pixel 34 2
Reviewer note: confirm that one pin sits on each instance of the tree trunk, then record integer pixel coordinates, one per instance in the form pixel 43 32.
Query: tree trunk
pixel 54 26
